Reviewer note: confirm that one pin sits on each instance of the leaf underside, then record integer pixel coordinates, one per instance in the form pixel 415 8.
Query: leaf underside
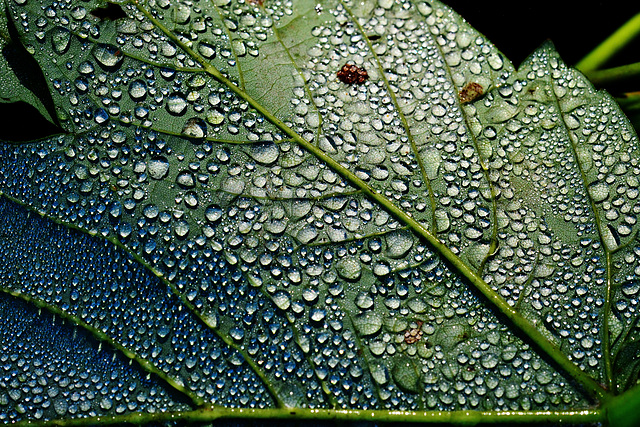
pixel 227 220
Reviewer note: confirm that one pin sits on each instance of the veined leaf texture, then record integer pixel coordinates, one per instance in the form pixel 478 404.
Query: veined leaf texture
pixel 302 204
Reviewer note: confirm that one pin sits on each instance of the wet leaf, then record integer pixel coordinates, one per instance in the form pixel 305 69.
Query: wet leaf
pixel 251 226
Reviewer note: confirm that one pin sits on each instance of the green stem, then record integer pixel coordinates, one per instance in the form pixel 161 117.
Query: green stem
pixel 612 45
pixel 613 75
pixel 346 415
pixel 622 411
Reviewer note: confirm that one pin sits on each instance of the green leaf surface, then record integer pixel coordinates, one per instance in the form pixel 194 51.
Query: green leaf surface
pixel 251 225
pixel 21 79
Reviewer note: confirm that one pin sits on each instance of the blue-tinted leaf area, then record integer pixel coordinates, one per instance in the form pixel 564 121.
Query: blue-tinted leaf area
pixel 89 278
pixel 61 183
pixel 51 369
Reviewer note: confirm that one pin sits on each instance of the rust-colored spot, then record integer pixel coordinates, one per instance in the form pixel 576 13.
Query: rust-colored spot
pixel 256 2
pixel 471 92
pixel 413 335
pixel 352 74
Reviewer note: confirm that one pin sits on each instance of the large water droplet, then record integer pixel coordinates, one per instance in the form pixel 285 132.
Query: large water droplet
pixel 186 179
pixel 599 191
pixel 367 323
pixel 195 128
pixel 264 152
pixel 349 268
pixel 60 39
pixel 107 55
pixel 158 168
pixel 137 89
pixel 176 103
pixel 406 374
pixel 398 243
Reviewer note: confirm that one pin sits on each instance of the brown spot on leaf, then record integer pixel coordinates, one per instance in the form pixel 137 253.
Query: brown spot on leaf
pixel 413 335
pixel 256 2
pixel 352 74
pixel 471 92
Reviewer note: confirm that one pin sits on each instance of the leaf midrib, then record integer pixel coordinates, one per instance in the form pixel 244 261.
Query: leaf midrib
pixel 591 386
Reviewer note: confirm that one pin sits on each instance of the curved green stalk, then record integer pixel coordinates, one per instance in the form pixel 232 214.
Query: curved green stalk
pixel 613 75
pixel 344 415
pixel 622 411
pixel 612 45
pixel 592 387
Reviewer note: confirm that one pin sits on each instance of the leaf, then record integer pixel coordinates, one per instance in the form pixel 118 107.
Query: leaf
pixel 334 205
pixel 21 79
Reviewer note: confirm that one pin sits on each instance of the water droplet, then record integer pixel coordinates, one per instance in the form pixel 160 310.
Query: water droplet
pixel 379 373
pixel 599 191
pixel 107 55
pixel 176 103
pixel 213 213
pixel 181 228
pixel 60 39
pixel 207 49
pixel 282 300
pixel 349 268
pixel 186 179
pixel 406 374
pixel 137 90
pixel 367 323
pixel 195 128
pixel 398 243
pixel 264 152
pixel 158 168
pixel 215 117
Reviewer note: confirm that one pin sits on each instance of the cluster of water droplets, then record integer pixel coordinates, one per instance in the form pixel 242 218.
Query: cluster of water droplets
pixel 52 369
pixel 332 298
pixel 106 289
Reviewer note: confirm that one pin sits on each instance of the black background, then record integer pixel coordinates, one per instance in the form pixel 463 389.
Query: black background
pixel 517 28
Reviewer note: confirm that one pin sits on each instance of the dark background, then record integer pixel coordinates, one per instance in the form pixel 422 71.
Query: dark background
pixel 517 28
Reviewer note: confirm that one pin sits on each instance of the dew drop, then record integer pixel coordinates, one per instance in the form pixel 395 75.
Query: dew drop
pixel 367 323
pixel 398 243
pixel 195 128
pixel 282 300
pixel 176 103
pixel 264 152
pixel 158 168
pixel 213 213
pixel 599 191
pixel 186 179
pixel 107 55
pixel 406 374
pixel 349 268
pixel 137 90
pixel 60 39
